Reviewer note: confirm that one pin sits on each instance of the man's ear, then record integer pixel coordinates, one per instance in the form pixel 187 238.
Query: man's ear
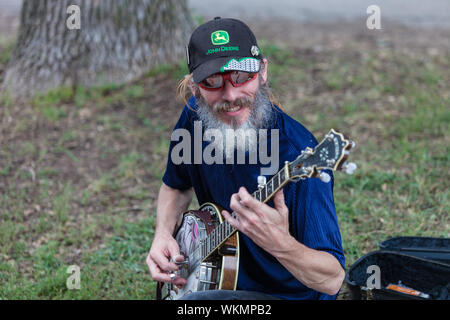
pixel 192 86
pixel 263 71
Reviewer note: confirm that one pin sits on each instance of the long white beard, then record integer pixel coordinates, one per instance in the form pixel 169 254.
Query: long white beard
pixel 245 135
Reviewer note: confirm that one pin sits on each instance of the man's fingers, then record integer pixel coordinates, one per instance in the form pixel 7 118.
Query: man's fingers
pixel 163 262
pixel 174 251
pixel 238 205
pixel 278 201
pixel 247 200
pixel 179 282
pixel 232 221
pixel 178 258
pixel 246 216
pixel 157 273
pixel 162 276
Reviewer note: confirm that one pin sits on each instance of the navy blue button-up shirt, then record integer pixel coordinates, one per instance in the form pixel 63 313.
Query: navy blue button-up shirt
pixel 312 214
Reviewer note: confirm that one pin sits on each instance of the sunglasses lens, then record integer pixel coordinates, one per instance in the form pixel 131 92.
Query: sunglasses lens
pixel 214 81
pixel 240 77
pixel 237 78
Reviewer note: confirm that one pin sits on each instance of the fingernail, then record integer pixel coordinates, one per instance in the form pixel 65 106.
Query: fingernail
pixel 178 257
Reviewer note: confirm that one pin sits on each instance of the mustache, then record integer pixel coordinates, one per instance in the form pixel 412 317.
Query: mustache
pixel 226 105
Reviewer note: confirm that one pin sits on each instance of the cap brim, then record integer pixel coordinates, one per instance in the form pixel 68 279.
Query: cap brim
pixel 211 67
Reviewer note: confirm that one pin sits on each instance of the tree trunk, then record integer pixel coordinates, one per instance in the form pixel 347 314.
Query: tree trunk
pixel 118 40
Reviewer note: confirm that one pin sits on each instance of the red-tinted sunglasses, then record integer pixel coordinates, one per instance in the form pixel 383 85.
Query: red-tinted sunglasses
pixel 217 80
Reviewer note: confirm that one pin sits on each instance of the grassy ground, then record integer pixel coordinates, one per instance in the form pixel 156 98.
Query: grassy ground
pixel 80 168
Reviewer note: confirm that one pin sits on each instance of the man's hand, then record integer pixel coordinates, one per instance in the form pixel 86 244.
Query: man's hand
pixel 171 203
pixel 164 249
pixel 267 227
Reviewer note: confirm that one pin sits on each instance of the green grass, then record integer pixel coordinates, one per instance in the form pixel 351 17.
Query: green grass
pixel 80 167
pixel 117 270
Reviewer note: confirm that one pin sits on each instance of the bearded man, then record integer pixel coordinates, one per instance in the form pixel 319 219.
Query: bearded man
pixel 290 247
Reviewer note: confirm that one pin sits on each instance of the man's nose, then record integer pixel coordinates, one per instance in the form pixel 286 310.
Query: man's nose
pixel 229 92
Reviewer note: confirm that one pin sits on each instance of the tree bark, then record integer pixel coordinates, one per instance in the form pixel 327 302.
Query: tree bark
pixel 118 41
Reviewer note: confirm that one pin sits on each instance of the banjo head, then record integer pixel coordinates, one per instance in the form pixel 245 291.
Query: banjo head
pixel 194 228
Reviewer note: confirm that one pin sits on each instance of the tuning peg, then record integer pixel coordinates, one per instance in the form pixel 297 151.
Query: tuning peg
pixel 352 143
pixel 307 152
pixel 261 181
pixel 349 167
pixel 325 177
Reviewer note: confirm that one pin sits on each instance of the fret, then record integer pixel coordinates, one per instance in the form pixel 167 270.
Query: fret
pixel 218 236
pixel 257 195
pixel 205 250
pixel 263 194
pixel 282 176
pixel 269 188
pixel 275 182
pixel 215 238
pixel 210 242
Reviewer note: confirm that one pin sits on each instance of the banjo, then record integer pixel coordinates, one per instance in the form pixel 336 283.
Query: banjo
pixel 210 244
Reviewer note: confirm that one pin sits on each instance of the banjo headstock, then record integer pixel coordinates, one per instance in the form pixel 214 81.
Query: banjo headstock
pixel 330 154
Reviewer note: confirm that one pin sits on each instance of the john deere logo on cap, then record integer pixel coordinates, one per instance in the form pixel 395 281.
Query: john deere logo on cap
pixel 220 37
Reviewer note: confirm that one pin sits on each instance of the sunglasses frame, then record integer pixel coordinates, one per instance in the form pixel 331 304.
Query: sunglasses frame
pixel 227 76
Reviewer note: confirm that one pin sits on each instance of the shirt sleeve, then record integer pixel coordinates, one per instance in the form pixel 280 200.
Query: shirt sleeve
pixel 177 174
pixel 315 222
